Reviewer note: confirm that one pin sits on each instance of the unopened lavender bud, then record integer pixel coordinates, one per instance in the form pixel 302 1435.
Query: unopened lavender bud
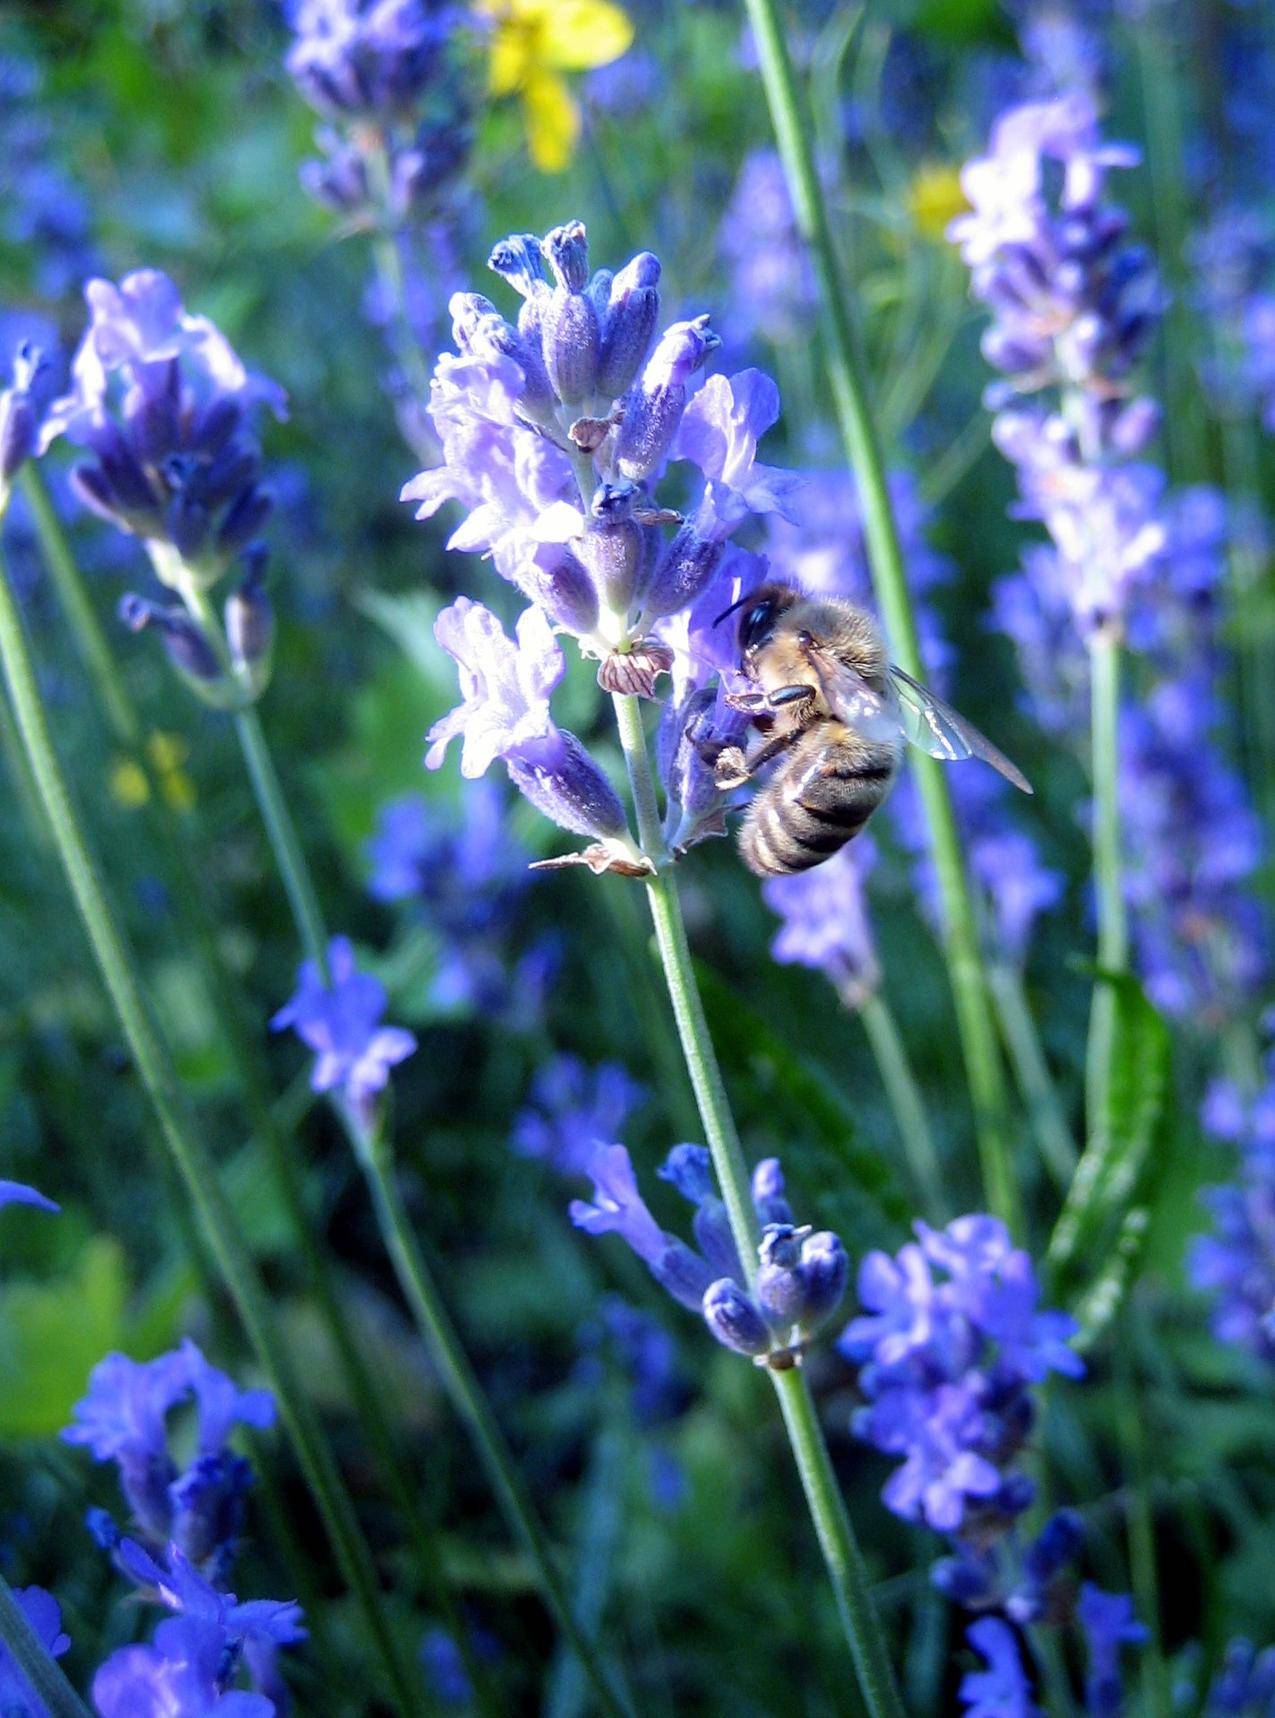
pixel 1134 426
pixel 654 406
pixel 486 332
pixel 91 484
pixel 628 323
pixel 825 1267
pixel 467 311
pixel 249 617
pixel 711 1225
pixel 599 292
pixel 19 418
pixel 689 1169
pixel 734 1320
pixel 770 1199
pixel 565 783
pixel 247 514
pixel 683 572
pixel 570 337
pixel 520 261
pixel 566 249
pixel 186 521
pixel 185 642
pixel 611 547
pixel 781 1287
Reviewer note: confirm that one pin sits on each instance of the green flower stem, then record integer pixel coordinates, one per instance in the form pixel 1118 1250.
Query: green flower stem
pixel 41 1670
pixel 841 1553
pixel 468 1398
pixel 1113 934
pixel 906 1103
pixel 373 1155
pixel 1031 1070
pixel 86 629
pixel 183 1144
pixel 970 987
pixel 128 726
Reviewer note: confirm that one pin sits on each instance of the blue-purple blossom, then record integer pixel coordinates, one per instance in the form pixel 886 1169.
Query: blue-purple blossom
pixel 444 1668
pixel 826 923
pixel 340 1020
pixel 124 1418
pixel 1109 1625
pixel 366 58
pixel 1235 1264
pixel 801 1275
pixel 1245 1685
pixel 505 688
pixel 464 872
pixel 17 1193
pixel 771 285
pixel 573 1109
pixel 556 432
pixel 951 1342
pixel 1002 1690
pixel 17 1698
pixel 24 406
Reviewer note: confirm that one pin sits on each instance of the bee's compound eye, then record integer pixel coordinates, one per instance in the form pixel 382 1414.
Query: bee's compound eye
pixel 805 639
pixel 756 624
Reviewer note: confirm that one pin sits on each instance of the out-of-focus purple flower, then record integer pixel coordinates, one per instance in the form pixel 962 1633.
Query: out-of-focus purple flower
pixel 572 1110
pixel 1030 1581
pixel 1109 1624
pixel 1193 846
pixel 1245 1685
pixel 184 1672
pixel 24 406
pixel 505 688
pixel 801 1276
pixel 771 287
pixel 1235 1264
pixel 46 220
pixel 17 1193
pixel 444 1668
pixel 1016 886
pixel 950 1344
pixel 42 1611
pixel 826 924
pixel 340 1020
pixel 124 1419
pixel 366 58
pixel 179 1586
pixel 1003 1689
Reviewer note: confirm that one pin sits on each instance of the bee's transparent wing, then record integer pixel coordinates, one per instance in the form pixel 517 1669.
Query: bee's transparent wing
pixel 936 728
pixel 853 701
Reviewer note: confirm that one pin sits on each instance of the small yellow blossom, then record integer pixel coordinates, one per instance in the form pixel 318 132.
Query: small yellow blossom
pixel 532 43
pixel 167 754
pixel 935 197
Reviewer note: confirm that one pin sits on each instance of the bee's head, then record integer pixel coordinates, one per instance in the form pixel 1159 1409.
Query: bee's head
pixel 759 614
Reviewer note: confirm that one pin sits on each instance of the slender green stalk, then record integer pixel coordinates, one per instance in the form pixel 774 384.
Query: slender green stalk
pixel 126 723
pixel 863 450
pixel 1142 1546
pixel 1031 1070
pixel 837 1541
pixel 183 1144
pixel 906 1103
pixel 41 1671
pixel 414 1276
pixel 1113 933
pixel 86 629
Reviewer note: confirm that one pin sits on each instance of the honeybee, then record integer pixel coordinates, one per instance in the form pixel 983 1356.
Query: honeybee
pixel 834 711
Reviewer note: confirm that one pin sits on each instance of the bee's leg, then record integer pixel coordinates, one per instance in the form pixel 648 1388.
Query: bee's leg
pixel 733 768
pixel 791 694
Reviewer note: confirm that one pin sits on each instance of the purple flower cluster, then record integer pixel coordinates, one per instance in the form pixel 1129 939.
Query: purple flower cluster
pixel 380 74
pixel 800 1279
pixel 42 1611
pixel 826 924
pixel 1002 1689
pixel 1245 1685
pixel 951 1343
pixel 339 1018
pixel 194 1661
pixel 465 876
pixel 555 433
pixel 1235 1264
pixel 1074 304
pixel 772 290
pixel 1109 1625
pixel 165 408
pixel 125 1418
pixel 572 1110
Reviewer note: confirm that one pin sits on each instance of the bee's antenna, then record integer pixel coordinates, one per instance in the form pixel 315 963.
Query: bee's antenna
pixel 738 603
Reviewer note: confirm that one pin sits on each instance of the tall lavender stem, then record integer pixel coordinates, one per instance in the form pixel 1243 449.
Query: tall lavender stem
pixel 970 987
pixel 842 1556
pixel 216 1218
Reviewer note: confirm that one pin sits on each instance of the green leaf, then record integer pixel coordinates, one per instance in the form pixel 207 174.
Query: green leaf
pixel 52 1334
pixel 1109 1176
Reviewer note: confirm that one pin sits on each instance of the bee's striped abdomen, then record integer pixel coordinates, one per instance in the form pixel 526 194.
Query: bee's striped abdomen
pixel 818 799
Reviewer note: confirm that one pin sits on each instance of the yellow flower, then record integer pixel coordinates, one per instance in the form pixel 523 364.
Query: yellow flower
pixel 532 44
pixel 935 197
pixel 128 783
pixel 167 754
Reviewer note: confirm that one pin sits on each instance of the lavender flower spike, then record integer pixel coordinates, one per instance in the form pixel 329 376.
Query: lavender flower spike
pixel 505 687
pixel 341 1022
